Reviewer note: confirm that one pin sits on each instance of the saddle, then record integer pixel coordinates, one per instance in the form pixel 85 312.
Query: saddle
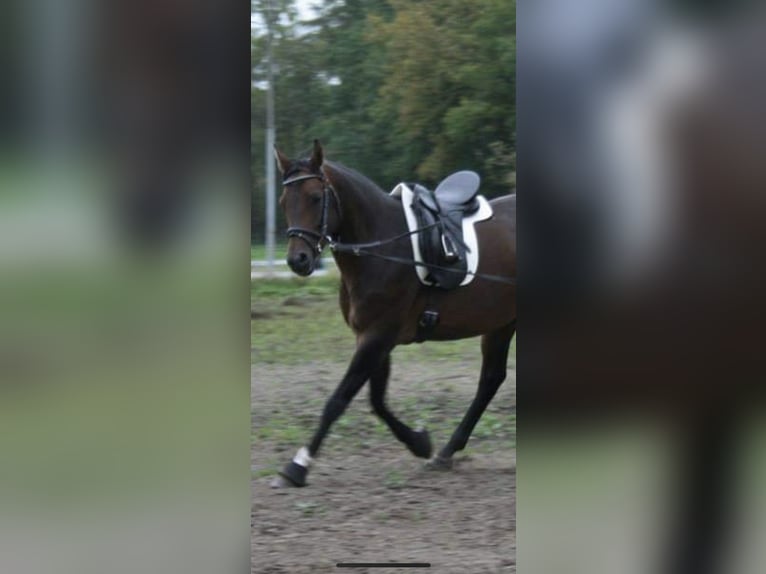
pixel 442 211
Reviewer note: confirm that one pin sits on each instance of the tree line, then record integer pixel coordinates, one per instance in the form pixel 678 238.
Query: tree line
pixel 401 90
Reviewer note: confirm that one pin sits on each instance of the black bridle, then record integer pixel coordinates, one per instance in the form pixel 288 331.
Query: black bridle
pixel 313 238
pixel 317 240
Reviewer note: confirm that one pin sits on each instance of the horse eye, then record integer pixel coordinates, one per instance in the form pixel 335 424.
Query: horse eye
pixel 316 199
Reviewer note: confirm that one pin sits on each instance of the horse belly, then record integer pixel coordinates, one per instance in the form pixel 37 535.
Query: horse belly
pixel 483 305
pixel 467 315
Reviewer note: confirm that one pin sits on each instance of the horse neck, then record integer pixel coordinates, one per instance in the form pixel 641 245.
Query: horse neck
pixel 366 214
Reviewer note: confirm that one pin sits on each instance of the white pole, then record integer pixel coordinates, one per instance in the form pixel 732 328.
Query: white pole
pixel 270 130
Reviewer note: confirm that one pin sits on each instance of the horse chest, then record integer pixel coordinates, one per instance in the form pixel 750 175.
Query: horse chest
pixel 359 317
pixel 351 306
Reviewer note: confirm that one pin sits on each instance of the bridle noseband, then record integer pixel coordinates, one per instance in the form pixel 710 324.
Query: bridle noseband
pixel 307 234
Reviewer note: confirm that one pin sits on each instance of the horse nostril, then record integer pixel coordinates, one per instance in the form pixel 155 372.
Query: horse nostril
pixel 299 260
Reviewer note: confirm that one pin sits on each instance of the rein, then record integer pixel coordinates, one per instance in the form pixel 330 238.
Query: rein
pixel 362 249
pixel 359 249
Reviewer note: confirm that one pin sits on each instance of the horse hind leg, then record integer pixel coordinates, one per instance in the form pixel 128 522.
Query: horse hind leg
pixel 494 348
pixel 417 441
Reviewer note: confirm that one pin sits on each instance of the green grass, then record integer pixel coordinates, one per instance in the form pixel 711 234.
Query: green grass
pixel 273 291
pixel 264 472
pixel 297 321
pixel 394 480
pixel 310 508
pixel 303 313
pixel 279 431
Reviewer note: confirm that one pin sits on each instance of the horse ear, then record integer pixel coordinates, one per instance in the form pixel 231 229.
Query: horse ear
pixel 317 156
pixel 283 162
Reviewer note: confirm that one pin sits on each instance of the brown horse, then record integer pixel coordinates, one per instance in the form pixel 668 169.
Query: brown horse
pixel 382 300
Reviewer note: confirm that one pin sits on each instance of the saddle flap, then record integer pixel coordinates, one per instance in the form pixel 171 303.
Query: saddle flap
pixel 458 188
pixel 425 197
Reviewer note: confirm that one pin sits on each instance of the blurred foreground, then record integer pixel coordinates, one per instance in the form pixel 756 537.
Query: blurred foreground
pixel 642 200
pixel 123 288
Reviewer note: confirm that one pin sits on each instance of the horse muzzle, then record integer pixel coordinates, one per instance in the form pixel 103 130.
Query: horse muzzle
pixel 301 263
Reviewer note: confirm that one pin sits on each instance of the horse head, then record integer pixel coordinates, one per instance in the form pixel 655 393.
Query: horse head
pixel 306 198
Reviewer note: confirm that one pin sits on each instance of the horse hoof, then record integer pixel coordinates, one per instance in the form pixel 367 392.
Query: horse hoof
pixel 439 463
pixel 292 474
pixel 421 444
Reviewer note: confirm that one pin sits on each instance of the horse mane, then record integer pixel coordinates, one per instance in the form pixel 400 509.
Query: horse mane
pixel 343 174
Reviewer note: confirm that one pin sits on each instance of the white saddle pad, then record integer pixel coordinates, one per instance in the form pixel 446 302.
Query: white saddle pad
pixel 469 233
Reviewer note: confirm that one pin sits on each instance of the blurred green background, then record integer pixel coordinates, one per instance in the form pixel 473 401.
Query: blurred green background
pixel 398 90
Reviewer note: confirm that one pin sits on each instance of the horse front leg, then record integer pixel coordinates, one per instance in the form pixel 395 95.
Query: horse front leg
pixel 370 353
pixel 417 441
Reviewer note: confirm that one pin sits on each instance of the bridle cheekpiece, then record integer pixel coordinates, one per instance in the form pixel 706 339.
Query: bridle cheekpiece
pixel 308 235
